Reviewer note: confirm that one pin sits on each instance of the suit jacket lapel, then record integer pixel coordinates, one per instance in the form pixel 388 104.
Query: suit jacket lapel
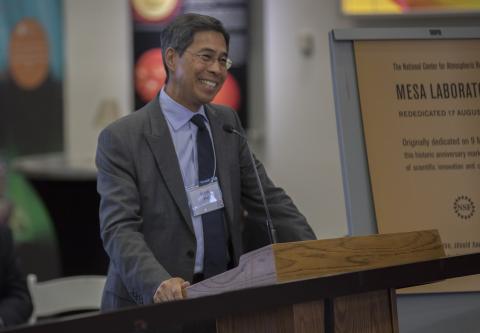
pixel 162 147
pixel 221 152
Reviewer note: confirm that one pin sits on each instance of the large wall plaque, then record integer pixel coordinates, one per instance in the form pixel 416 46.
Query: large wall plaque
pixel 420 105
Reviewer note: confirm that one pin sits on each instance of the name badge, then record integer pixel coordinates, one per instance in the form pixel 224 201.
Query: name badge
pixel 205 198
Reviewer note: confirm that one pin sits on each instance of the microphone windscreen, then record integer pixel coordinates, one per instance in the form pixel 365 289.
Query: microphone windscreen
pixel 228 128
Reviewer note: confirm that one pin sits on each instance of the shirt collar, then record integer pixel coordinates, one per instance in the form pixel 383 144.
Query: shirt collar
pixel 176 114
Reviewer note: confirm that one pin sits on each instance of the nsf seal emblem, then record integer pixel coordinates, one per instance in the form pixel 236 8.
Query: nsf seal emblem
pixel 464 207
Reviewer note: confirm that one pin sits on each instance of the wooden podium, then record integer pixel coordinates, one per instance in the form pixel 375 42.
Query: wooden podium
pixel 331 286
pixel 373 311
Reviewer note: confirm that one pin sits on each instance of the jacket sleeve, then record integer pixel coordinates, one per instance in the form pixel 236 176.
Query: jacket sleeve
pixel 15 301
pixel 121 219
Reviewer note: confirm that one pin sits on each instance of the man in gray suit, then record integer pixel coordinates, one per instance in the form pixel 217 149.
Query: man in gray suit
pixel 157 211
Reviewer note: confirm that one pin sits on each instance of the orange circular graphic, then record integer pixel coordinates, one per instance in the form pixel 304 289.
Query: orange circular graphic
pixel 229 94
pixel 149 74
pixel 28 54
pixel 155 10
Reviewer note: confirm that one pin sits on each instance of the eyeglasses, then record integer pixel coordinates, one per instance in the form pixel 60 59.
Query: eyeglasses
pixel 208 59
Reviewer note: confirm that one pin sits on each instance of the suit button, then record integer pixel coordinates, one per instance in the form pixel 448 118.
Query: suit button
pixel 190 253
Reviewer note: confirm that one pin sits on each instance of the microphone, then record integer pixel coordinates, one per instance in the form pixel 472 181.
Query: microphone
pixel 272 233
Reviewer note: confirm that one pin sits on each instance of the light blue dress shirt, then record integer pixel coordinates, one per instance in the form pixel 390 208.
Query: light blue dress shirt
pixel 184 134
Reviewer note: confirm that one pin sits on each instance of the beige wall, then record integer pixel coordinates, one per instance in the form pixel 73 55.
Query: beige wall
pixel 97 72
pixel 301 138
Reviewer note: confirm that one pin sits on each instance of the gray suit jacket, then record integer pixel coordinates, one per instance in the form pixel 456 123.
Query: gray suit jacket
pixel 145 220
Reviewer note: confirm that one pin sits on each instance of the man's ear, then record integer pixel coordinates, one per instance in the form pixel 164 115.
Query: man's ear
pixel 171 59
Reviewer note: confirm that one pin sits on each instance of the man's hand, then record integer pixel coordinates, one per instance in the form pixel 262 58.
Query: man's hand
pixel 170 290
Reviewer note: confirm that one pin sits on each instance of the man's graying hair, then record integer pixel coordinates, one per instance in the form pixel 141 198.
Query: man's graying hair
pixel 180 32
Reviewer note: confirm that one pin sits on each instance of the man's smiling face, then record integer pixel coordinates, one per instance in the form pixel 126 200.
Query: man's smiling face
pixel 192 82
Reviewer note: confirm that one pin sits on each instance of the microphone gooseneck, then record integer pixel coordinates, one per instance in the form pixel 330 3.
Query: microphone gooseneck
pixel 272 233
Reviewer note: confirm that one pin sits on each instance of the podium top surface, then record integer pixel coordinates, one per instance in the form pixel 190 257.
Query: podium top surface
pixel 284 262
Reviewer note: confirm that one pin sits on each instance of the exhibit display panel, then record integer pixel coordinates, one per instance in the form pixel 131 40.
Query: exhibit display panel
pixel 397 90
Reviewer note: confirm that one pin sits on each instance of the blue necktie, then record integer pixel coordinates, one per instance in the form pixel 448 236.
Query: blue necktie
pixel 214 239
